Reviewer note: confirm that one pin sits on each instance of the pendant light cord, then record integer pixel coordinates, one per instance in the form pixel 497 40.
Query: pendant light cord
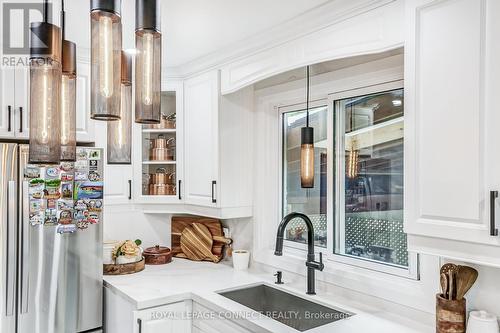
pixel 45 11
pixel 307 97
pixel 63 21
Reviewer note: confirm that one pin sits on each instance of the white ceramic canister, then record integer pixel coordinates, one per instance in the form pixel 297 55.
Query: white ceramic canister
pixel 241 259
pixel 482 322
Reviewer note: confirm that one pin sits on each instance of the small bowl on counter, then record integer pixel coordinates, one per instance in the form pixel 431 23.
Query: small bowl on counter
pixel 157 255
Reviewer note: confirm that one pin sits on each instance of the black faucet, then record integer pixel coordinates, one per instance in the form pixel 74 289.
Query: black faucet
pixel 311 264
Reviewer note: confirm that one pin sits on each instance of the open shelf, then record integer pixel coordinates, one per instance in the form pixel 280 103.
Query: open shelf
pixel 159 130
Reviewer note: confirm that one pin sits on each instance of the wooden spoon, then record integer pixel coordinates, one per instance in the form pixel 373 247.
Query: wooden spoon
pixel 466 277
pixel 444 285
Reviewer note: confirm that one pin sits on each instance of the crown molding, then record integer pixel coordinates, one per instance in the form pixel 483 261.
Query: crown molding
pixel 318 18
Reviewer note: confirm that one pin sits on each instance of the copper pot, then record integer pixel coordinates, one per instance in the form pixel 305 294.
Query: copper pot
pixel 162 154
pixel 162 142
pixel 157 255
pixel 162 189
pixel 162 177
pixel 166 122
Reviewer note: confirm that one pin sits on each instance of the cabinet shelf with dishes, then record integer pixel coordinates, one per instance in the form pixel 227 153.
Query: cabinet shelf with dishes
pixel 159 152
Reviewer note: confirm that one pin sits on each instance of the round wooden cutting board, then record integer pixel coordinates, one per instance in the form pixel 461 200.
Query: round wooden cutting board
pixel 196 243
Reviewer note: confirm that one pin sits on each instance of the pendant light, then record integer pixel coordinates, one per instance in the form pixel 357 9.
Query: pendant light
pixel 307 148
pixel 68 95
pixel 45 92
pixel 106 43
pixel 119 149
pixel 148 62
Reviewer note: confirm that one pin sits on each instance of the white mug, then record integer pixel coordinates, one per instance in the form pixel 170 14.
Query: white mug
pixel 482 322
pixel 241 259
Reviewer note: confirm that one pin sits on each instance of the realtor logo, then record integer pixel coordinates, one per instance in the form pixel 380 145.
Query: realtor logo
pixel 16 26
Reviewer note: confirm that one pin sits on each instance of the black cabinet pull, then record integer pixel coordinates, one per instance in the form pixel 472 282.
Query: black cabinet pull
pixel 20 119
pixel 9 127
pixel 130 189
pixel 139 322
pixel 493 228
pixel 179 189
pixel 214 183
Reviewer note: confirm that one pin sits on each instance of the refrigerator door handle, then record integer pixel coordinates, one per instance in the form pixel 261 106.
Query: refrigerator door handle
pixel 25 248
pixel 11 250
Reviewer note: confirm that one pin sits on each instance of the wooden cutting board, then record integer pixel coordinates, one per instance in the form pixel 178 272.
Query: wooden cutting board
pixel 196 243
pixel 179 223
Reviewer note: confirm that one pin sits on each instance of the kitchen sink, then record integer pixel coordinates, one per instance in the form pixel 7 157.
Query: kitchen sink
pixel 293 311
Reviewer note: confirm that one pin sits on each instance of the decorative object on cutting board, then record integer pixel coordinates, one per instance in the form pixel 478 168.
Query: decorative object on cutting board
pixel 455 281
pixel 198 234
pixel 126 258
pixel 157 255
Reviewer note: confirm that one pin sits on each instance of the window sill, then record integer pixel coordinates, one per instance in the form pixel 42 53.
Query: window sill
pixel 416 294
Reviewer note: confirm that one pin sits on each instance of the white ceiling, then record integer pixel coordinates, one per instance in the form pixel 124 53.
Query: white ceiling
pixel 194 28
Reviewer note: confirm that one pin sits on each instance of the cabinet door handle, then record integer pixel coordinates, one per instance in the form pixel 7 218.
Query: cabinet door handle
pixel 130 189
pixel 214 183
pixel 493 228
pixel 179 189
pixel 9 115
pixel 20 119
pixel 139 322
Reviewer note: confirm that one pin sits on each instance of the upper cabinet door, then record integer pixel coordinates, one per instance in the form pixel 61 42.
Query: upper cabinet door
pixel 452 158
pixel 201 106
pixel 85 126
pixel 7 79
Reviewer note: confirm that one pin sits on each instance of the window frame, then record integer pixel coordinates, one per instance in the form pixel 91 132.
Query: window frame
pixel 334 221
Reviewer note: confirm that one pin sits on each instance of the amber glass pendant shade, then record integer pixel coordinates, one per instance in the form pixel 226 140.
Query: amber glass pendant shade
pixel 307 157
pixel 68 102
pixel 45 94
pixel 106 44
pixel 148 62
pixel 119 146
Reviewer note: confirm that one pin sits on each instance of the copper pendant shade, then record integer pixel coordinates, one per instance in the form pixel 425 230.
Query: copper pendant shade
pixel 106 44
pixel 119 140
pixel 45 93
pixel 148 62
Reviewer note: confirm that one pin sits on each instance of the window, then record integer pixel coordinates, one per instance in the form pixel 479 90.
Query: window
pixel 356 205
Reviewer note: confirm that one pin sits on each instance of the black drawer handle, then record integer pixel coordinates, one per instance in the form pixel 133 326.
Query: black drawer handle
pixel 179 189
pixel 20 119
pixel 130 189
pixel 139 322
pixel 493 228
pixel 214 183
pixel 9 127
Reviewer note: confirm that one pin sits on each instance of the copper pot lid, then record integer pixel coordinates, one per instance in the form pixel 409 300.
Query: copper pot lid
pixel 157 250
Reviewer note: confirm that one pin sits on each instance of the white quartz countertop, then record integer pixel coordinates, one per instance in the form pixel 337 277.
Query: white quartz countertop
pixel 201 282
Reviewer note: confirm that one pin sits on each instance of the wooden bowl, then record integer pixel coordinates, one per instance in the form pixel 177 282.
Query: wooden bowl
pixel 114 269
pixel 157 255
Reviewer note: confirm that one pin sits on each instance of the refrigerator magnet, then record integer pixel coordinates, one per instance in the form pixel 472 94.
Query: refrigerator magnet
pixel 93 218
pixel 65 217
pixel 81 154
pixel 80 205
pixel 95 154
pixel 67 166
pixel 94 176
pixel 66 228
pixel 80 175
pixel 52 172
pixel 36 218
pixel 67 190
pixel 82 224
pixel 89 190
pixel 32 172
pixel 50 217
pixel 65 204
pixel 67 177
pixel 36 206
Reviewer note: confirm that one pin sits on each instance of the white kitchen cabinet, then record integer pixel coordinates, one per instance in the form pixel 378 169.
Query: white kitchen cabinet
pixel 452 160
pixel 14 90
pixel 217 145
pixel 85 127
pixel 121 316
pixel 171 318
pixel 7 103
pixel 147 164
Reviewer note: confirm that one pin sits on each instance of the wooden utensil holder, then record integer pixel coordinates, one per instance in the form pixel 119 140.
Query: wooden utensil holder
pixel 450 315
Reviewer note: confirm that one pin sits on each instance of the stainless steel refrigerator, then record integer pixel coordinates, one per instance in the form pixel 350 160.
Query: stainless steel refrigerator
pixel 51 243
